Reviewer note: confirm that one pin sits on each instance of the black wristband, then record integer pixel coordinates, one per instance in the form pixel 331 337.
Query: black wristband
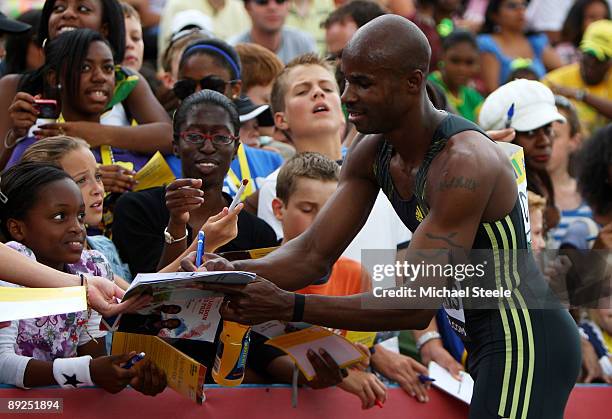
pixel 82 279
pixel 298 307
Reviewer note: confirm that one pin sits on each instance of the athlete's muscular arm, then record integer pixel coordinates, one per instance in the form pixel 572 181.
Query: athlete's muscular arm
pixel 311 255
pixel 456 210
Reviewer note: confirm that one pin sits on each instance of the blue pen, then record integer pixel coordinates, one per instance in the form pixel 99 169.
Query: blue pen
pixel 425 379
pixel 509 116
pixel 133 360
pixel 200 248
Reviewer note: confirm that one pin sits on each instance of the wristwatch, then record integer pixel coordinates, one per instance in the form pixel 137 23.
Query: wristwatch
pixel 580 95
pixel 169 239
pixel 426 337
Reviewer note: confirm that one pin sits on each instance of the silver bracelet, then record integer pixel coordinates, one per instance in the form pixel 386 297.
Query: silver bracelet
pixel 426 337
pixel 6 145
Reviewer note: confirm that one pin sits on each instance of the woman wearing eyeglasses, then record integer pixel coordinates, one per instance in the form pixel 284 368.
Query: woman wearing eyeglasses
pixel 153 227
pixel 156 225
pixel 503 39
pixel 215 65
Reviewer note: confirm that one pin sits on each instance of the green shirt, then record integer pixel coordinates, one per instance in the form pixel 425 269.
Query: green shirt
pixel 467 103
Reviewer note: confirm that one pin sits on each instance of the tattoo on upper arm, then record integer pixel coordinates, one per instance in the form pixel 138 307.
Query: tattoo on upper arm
pixel 458 182
pixel 445 238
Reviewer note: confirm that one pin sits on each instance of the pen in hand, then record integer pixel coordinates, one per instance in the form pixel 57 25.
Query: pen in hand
pixel 200 249
pixel 424 379
pixel 509 116
pixel 133 360
pixel 238 195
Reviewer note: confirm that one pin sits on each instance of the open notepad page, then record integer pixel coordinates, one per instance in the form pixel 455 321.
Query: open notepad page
pixel 224 277
pixel 461 389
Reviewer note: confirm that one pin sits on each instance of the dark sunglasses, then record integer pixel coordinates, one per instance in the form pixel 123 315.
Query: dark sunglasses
pixel 265 2
pixel 183 88
pixel 548 131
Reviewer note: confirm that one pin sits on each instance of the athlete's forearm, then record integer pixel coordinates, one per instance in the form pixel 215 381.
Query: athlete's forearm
pixel 351 313
pixel 290 267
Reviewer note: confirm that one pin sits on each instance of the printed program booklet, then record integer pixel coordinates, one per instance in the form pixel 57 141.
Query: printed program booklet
pixel 180 308
pixel 296 345
pixel 184 374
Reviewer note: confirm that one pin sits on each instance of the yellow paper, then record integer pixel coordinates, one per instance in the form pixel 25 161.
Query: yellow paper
pixel 261 252
pixel 247 254
pixel 41 294
pixel 184 374
pixel 155 173
pixel 297 344
pixel 365 338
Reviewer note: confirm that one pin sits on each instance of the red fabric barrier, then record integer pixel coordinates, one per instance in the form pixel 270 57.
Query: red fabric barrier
pixel 586 402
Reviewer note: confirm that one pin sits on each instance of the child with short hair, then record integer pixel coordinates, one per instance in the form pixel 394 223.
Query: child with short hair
pixel 134 42
pixel 44 217
pixel 599 332
pixel 459 64
pixel 537 206
pixel 303 186
pixel 168 63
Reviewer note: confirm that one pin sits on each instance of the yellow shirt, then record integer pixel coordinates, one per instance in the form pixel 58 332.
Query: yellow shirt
pixel 607 340
pixel 229 21
pixel 311 21
pixel 569 76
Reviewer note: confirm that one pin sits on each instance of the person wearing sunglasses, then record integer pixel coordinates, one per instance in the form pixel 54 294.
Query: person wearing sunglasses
pixel 588 83
pixel 215 65
pixel 268 29
pixel 208 64
pixel 532 118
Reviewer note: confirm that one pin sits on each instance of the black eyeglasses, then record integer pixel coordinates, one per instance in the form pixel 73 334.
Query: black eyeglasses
pixel 198 138
pixel 186 87
pixel 265 2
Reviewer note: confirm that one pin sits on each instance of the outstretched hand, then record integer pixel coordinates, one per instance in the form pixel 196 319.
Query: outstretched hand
pixel 103 294
pixel 222 228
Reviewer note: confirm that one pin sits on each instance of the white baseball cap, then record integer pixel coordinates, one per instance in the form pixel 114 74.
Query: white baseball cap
pixel 532 103
pixel 191 18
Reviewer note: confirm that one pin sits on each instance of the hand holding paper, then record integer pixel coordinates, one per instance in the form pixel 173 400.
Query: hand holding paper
pixel 461 389
pixel 155 173
pixel 300 347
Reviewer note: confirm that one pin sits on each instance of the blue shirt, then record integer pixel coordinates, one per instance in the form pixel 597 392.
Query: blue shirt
pixel 261 164
pixel 568 217
pixel 538 43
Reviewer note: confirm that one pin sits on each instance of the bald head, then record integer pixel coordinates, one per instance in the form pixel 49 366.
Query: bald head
pixel 391 42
